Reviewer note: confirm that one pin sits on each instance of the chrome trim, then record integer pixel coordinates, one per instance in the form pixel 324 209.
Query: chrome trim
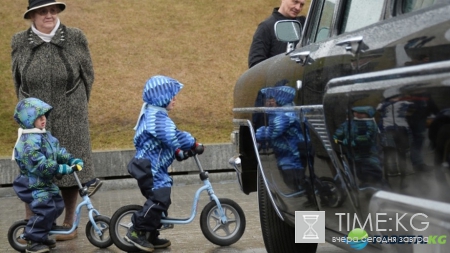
pixel 421 70
pixel 264 109
pixel 351 44
pixel 300 57
pixel 235 161
pixel 437 215
pixel 240 122
pixel 252 132
pixel 384 200
pixel 299 84
pixel 316 122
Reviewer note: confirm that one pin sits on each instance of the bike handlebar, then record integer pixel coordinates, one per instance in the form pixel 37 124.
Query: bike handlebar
pixel 75 167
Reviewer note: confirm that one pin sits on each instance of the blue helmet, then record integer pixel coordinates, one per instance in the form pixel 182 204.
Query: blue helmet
pixel 369 110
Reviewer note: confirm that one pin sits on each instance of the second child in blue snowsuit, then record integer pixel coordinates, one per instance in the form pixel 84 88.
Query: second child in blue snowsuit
pixel 158 142
pixel 40 158
pixel 361 134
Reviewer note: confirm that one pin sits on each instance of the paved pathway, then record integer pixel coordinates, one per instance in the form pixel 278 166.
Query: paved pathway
pixel 185 238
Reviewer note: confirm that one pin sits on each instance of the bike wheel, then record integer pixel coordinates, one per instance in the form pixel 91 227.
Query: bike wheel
pixel 14 232
pixel 334 194
pixel 214 230
pixel 120 223
pixel 103 241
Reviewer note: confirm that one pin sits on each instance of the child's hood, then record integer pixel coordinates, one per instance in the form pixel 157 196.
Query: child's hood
pixel 283 95
pixel 369 110
pixel 159 90
pixel 28 110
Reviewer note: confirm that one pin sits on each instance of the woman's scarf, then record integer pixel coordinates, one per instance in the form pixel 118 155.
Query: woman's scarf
pixel 46 37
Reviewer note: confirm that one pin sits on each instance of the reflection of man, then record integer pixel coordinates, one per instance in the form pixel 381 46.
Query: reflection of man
pixel 265 43
pixel 422 106
pixel 396 132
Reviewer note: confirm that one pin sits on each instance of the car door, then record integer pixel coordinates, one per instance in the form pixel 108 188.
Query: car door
pixel 327 56
pixel 363 37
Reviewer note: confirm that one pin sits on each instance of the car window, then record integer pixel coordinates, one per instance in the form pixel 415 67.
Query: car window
pixel 323 31
pixel 414 5
pixel 361 13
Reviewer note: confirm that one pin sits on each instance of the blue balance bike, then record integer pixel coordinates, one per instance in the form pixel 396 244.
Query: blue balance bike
pixel 97 228
pixel 222 220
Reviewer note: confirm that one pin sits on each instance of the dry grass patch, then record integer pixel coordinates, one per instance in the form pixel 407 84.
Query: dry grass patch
pixel 204 44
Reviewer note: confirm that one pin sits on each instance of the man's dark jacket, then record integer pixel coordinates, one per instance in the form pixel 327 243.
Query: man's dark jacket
pixel 265 43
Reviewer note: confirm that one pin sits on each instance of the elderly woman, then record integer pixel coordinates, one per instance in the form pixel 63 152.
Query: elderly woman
pixel 52 62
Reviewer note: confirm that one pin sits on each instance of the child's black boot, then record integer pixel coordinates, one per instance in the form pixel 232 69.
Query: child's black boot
pixel 51 243
pixel 36 247
pixel 138 239
pixel 158 243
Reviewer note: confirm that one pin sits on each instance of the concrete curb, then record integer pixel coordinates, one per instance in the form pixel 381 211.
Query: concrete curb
pixel 111 165
pixel 130 183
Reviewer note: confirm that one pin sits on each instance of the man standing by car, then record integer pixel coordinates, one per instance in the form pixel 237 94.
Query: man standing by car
pixel 265 43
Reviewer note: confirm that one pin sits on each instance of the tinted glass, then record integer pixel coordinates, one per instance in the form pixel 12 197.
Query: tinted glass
pixel 326 19
pixel 413 5
pixel 361 13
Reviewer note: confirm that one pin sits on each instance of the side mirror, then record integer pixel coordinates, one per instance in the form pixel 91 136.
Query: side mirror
pixel 289 31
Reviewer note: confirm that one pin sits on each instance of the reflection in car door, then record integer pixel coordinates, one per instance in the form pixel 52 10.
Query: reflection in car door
pixel 402 40
pixel 396 41
pixel 329 57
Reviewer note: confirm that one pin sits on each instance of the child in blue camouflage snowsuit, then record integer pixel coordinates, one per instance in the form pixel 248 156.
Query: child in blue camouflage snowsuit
pixel 40 158
pixel 361 134
pixel 158 142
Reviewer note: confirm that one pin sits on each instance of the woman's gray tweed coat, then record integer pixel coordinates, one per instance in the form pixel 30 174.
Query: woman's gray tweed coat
pixel 61 74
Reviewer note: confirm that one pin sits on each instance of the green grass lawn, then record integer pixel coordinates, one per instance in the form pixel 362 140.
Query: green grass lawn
pixel 203 43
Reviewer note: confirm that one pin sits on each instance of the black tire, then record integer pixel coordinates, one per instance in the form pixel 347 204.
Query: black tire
pixel 14 232
pixel 278 236
pixel 103 241
pixel 335 196
pixel 213 229
pixel 120 222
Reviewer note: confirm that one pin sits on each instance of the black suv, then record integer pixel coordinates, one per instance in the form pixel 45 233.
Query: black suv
pixel 355 122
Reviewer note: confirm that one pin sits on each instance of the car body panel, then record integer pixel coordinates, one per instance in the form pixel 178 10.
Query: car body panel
pixel 400 57
pixel 430 81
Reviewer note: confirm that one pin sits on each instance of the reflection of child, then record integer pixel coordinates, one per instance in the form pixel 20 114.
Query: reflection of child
pixel 39 157
pixel 361 133
pixel 291 147
pixel 158 142
pixel 258 119
pixel 284 135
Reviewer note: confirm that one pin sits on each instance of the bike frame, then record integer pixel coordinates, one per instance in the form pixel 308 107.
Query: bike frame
pixel 86 202
pixel 206 187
